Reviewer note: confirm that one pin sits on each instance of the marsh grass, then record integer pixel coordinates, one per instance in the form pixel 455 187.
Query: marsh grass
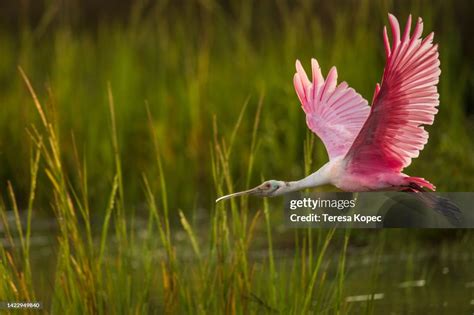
pixel 92 277
pixel 108 148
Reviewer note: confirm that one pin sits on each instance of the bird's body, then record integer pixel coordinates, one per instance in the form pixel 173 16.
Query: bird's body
pixel 369 146
pixel 342 178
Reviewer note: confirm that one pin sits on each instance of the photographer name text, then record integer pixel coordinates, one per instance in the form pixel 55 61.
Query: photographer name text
pixel 335 218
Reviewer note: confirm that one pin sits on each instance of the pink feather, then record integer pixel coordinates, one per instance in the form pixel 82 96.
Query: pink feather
pixel 406 101
pixel 333 112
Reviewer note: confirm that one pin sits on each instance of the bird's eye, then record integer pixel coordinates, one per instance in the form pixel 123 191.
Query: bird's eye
pixel 268 185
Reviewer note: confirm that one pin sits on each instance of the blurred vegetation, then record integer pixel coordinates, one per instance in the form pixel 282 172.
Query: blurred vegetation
pixel 154 108
pixel 202 60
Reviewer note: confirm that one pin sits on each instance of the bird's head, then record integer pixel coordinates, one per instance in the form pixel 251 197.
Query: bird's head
pixel 268 188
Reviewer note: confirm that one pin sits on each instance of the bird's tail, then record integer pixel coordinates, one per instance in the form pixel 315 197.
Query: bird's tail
pixel 420 183
pixel 439 204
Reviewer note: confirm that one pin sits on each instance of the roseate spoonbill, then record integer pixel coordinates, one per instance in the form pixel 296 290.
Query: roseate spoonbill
pixel 368 147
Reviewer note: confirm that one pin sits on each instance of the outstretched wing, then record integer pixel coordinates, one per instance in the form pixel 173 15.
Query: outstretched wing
pixel 334 112
pixel 404 102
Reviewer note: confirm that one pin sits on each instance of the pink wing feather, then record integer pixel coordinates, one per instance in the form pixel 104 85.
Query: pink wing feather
pixel 334 112
pixel 405 101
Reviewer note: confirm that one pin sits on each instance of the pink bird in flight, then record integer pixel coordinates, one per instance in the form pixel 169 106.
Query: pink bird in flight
pixel 369 146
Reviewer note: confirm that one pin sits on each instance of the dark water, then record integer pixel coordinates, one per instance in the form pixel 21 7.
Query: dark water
pixel 422 282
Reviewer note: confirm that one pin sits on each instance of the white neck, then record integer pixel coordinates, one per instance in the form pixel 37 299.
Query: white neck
pixel 318 178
